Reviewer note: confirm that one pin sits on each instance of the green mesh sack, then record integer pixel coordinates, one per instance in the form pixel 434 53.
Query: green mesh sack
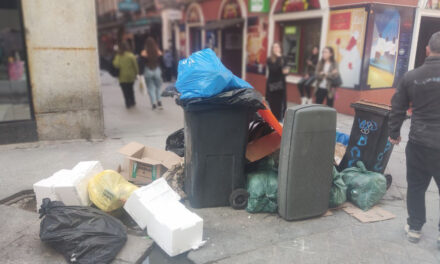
pixel 263 187
pixel 364 188
pixel 338 192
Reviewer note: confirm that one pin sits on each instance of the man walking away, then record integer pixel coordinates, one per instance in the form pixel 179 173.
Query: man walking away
pixel 420 89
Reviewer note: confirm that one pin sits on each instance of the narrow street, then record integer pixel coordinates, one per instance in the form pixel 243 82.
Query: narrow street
pixel 232 236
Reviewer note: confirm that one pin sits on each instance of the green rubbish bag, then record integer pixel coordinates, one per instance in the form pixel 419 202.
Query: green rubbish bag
pixel 364 188
pixel 338 192
pixel 263 187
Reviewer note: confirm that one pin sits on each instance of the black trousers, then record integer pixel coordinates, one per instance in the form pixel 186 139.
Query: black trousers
pixel 127 91
pixel 167 74
pixel 322 94
pixel 305 86
pixel 422 163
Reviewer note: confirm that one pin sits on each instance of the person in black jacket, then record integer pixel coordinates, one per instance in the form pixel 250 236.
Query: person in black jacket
pixel 420 90
pixel 306 83
pixel 276 83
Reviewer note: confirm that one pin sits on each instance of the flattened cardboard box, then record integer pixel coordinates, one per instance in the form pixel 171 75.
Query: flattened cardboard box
pixel 145 164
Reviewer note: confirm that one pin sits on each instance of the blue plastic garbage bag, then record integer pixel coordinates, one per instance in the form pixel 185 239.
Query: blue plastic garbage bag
pixel 342 138
pixel 203 75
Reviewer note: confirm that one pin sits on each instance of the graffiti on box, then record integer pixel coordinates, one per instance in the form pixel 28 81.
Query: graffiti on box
pixel 379 163
pixel 365 127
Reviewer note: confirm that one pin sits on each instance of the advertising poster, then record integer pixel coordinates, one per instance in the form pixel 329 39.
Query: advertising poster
pixel 347 35
pixel 257 45
pixel 391 44
pixel 231 9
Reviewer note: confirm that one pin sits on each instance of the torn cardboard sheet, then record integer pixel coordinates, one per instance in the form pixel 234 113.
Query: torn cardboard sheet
pixel 375 214
pixel 340 150
pixel 263 147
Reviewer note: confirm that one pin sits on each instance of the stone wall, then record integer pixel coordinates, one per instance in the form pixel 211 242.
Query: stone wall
pixel 61 41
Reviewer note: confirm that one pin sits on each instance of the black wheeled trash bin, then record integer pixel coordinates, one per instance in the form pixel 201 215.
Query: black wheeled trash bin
pixel 306 161
pixel 215 147
pixel 369 138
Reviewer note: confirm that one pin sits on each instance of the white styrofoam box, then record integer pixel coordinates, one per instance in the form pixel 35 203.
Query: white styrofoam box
pixel 135 205
pixel 68 186
pixel 84 171
pixel 64 187
pixel 43 189
pixel 173 227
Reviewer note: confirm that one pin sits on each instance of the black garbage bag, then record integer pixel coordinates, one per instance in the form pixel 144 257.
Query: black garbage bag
pixel 176 142
pixel 82 234
pixel 244 97
pixel 170 91
pixel 258 128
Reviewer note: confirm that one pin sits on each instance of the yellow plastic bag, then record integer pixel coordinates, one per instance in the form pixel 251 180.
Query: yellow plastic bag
pixel 108 190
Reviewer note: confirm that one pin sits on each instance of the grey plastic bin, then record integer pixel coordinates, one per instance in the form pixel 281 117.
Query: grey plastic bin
pixel 306 161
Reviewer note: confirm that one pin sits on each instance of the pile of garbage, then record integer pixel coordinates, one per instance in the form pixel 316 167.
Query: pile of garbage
pixel 236 155
pixel 76 207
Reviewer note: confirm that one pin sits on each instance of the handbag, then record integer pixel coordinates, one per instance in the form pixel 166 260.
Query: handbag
pixel 276 86
pixel 336 82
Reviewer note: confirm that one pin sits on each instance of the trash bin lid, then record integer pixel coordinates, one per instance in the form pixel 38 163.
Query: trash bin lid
pixel 376 108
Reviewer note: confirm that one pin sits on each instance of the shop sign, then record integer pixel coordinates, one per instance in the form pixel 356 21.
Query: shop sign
pixel 259 6
pixel 128 5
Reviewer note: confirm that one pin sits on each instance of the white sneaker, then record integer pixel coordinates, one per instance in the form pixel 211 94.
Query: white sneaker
pixel 303 100
pixel 413 235
pixel 309 101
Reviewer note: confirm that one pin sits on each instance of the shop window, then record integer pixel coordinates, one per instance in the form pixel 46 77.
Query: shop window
pixel 428 26
pixel 298 39
pixel 14 90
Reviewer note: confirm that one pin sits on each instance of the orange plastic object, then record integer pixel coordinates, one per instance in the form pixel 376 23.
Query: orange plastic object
pixel 268 116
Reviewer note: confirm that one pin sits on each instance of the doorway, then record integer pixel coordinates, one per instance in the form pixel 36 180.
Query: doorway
pixel 428 26
pixel 195 37
pixel 232 48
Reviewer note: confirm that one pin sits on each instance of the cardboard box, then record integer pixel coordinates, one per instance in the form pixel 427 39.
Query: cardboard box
pixel 145 164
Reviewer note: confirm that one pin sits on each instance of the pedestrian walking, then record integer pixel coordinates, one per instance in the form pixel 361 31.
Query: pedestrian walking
pixel 327 77
pixel 276 82
pixel 168 63
pixel 126 62
pixel 150 59
pixel 420 90
pixel 306 83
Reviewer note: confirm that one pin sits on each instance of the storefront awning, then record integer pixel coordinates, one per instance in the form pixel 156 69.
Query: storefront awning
pixel 220 24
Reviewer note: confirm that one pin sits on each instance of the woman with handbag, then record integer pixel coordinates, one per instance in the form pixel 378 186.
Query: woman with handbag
pixel 327 76
pixel 276 82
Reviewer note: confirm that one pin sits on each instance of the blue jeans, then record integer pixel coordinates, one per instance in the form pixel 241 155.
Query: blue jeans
pixel 153 78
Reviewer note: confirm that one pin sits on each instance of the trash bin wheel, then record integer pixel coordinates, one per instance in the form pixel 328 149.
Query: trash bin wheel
pixel 238 199
pixel 389 180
